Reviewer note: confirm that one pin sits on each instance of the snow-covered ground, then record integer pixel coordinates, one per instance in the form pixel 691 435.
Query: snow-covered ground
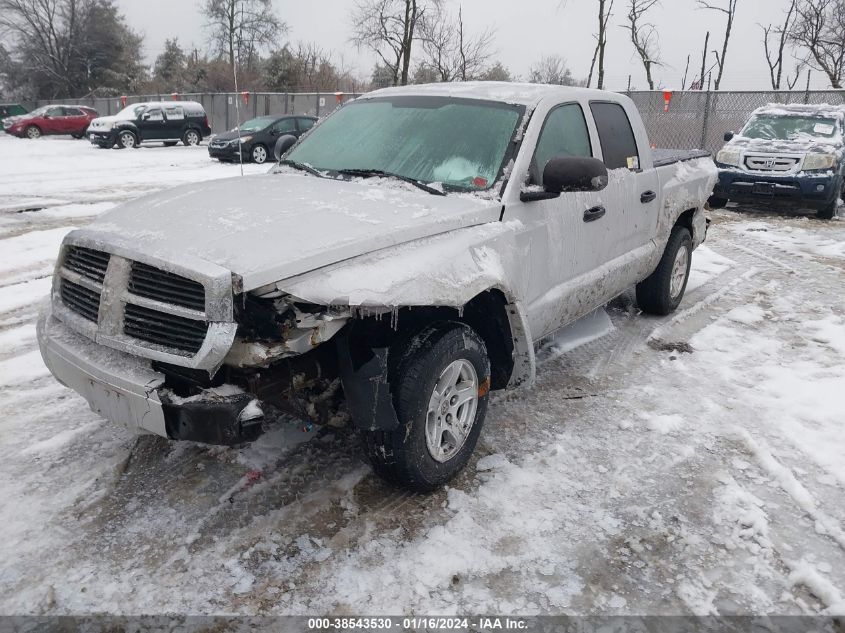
pixel 692 464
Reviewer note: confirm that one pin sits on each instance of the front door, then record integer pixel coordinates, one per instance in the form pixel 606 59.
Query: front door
pixel 566 237
pixel 152 125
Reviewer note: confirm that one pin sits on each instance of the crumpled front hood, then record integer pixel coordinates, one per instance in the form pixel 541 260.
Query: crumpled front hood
pixel 271 227
pixel 802 145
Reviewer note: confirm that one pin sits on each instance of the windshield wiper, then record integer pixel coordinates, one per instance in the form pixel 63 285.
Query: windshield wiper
pixel 301 167
pixel 365 173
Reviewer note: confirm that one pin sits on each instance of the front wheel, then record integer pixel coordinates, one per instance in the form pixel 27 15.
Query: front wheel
pixel 661 293
pixel 33 132
pixel 259 154
pixel 440 388
pixel 191 137
pixel 126 140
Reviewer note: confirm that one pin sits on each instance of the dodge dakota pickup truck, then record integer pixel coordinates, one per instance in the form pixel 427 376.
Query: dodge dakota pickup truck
pixel 397 265
pixel 788 154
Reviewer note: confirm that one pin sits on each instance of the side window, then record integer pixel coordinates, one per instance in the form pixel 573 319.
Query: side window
pixel 73 112
pixel 285 126
pixel 305 124
pixel 618 144
pixel 564 133
pixel 55 111
pixel 153 114
pixel 174 113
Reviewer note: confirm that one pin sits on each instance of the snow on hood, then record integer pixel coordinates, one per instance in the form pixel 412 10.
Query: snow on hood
pixel 271 227
pixel 802 144
pixel 102 120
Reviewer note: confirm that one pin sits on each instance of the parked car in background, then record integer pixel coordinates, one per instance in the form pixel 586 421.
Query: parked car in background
pixel 790 154
pixel 9 112
pixel 165 122
pixel 400 263
pixel 53 119
pixel 258 137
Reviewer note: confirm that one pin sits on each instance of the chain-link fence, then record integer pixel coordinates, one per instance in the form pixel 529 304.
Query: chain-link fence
pixel 700 119
pixel 223 108
pixel 695 119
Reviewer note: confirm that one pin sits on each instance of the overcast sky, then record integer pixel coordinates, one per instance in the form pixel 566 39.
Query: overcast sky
pixel 525 31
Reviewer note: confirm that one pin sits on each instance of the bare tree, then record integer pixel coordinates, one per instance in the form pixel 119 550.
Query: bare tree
pixel 389 29
pixel 605 9
pixel 644 36
pixel 819 28
pixel 240 29
pixel 63 48
pixel 775 50
pixel 449 51
pixel 551 69
pixel 730 12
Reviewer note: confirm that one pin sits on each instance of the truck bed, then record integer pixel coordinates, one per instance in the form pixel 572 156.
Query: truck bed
pixel 663 157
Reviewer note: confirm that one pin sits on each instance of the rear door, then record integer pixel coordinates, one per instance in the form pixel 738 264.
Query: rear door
pixel 175 121
pixel 634 188
pixel 75 121
pixel 284 126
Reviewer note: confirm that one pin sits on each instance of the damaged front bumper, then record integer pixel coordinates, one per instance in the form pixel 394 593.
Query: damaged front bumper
pixel 127 390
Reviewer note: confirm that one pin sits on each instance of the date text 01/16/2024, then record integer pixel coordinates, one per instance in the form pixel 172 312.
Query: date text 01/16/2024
pixel 419 623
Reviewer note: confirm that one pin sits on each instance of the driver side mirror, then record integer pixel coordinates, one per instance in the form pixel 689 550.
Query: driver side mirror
pixel 729 136
pixel 283 145
pixel 567 174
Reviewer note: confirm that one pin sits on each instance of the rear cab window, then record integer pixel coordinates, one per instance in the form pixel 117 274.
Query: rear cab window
pixel 564 133
pixel 618 143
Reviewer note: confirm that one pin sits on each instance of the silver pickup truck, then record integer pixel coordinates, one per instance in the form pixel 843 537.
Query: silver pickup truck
pixel 398 264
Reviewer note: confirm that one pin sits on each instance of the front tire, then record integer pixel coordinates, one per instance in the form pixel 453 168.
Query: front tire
pixel 661 293
pixel 259 154
pixel 126 140
pixel 440 386
pixel 191 137
pixel 33 132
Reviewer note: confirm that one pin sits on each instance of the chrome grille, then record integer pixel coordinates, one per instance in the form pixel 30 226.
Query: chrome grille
pixel 87 262
pixel 771 163
pixel 81 300
pixel 164 329
pixel 153 283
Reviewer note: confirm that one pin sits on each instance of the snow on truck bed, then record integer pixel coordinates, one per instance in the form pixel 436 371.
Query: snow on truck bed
pixel 690 464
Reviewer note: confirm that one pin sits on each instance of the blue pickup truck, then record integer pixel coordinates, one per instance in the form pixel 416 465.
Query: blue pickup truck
pixel 787 154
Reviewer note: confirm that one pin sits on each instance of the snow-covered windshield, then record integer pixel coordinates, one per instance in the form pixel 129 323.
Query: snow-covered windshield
pixel 256 125
pixel 131 112
pixel 460 143
pixel 784 128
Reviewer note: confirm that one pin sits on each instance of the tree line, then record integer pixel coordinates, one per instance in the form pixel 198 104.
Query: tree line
pixel 74 48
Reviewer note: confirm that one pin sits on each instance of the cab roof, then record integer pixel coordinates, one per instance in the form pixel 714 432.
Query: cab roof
pixel 526 94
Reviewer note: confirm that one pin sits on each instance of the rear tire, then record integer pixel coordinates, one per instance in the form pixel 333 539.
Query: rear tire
pixel 33 132
pixel 662 291
pixel 440 385
pixel 191 137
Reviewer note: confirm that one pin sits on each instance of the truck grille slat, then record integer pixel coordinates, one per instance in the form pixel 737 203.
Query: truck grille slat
pixel 160 285
pixel 164 329
pixel 87 262
pixel 84 302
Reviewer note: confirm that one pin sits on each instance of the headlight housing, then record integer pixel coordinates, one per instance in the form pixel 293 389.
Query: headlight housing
pixel 817 162
pixel 244 139
pixel 729 157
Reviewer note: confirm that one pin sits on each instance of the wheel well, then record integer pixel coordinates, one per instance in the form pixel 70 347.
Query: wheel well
pixel 486 314
pixel 686 220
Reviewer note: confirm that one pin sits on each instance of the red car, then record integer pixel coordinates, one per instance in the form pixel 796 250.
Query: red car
pixel 54 119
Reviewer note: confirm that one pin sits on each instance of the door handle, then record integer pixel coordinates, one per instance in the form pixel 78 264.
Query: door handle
pixel 648 196
pixel 591 215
